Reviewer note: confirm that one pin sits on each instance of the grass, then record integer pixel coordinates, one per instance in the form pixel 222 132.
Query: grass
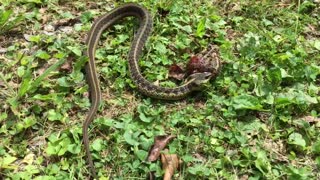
pixel 259 119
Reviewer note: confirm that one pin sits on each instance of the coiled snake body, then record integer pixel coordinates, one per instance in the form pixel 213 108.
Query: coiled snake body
pixel 145 26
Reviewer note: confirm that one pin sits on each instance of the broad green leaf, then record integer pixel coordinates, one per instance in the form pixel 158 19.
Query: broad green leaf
pixel 29 121
pixel 316 147
pixel 42 55
pixel 86 17
pixel 53 137
pixel 54 116
pixel 199 169
pixel 52 149
pixel 267 22
pixel 141 154
pixel 317 44
pixel 97 145
pixel 142 114
pixel 36 38
pixel 262 162
pixel 220 149
pixel 317 160
pixel 312 71
pixel 25 85
pixel 64 82
pixel 161 48
pixel 20 71
pixel 7 160
pixel 75 49
pixel 274 75
pixel 129 139
pixel 187 28
pixel 302 98
pixel 246 102
pixel 64 144
pixel 296 139
pixel 143 118
pixel 3 116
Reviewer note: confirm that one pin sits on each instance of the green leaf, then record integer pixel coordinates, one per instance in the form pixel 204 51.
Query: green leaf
pixel 316 147
pixel 220 149
pixel 76 50
pixel 20 71
pixel 161 48
pixel 64 144
pixel 284 99
pixel 37 82
pixel 274 75
pixel 97 145
pixel 3 116
pixel 29 121
pixel 45 178
pixel 4 17
pixel 317 160
pixel 74 148
pixel 36 38
pixel 128 137
pixel 143 118
pixel 86 17
pixel 316 44
pixel 7 160
pixel 53 137
pixel 25 85
pixel 199 169
pixel 141 154
pixel 267 22
pixel 64 82
pixel 32 1
pixel 296 139
pixel 187 28
pixel 302 98
pixel 262 162
pixel 142 110
pixel 54 116
pixel 201 28
pixel 246 102
pixel 42 55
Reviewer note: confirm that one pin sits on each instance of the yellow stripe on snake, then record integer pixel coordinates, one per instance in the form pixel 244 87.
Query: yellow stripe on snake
pixel 149 89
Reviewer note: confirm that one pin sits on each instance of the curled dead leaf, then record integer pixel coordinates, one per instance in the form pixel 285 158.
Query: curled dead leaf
pixel 170 163
pixel 160 143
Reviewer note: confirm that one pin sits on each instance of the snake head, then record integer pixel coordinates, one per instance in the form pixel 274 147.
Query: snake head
pixel 200 78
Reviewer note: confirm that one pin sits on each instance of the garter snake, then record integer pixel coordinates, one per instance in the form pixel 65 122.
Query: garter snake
pixel 145 26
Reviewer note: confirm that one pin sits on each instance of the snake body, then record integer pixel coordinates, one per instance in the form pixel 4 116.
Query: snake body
pixel 143 85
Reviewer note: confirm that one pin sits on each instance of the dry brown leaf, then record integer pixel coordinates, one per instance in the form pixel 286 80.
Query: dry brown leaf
pixel 310 119
pixel 176 72
pixel 67 66
pixel 160 143
pixel 170 163
pixel 66 22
